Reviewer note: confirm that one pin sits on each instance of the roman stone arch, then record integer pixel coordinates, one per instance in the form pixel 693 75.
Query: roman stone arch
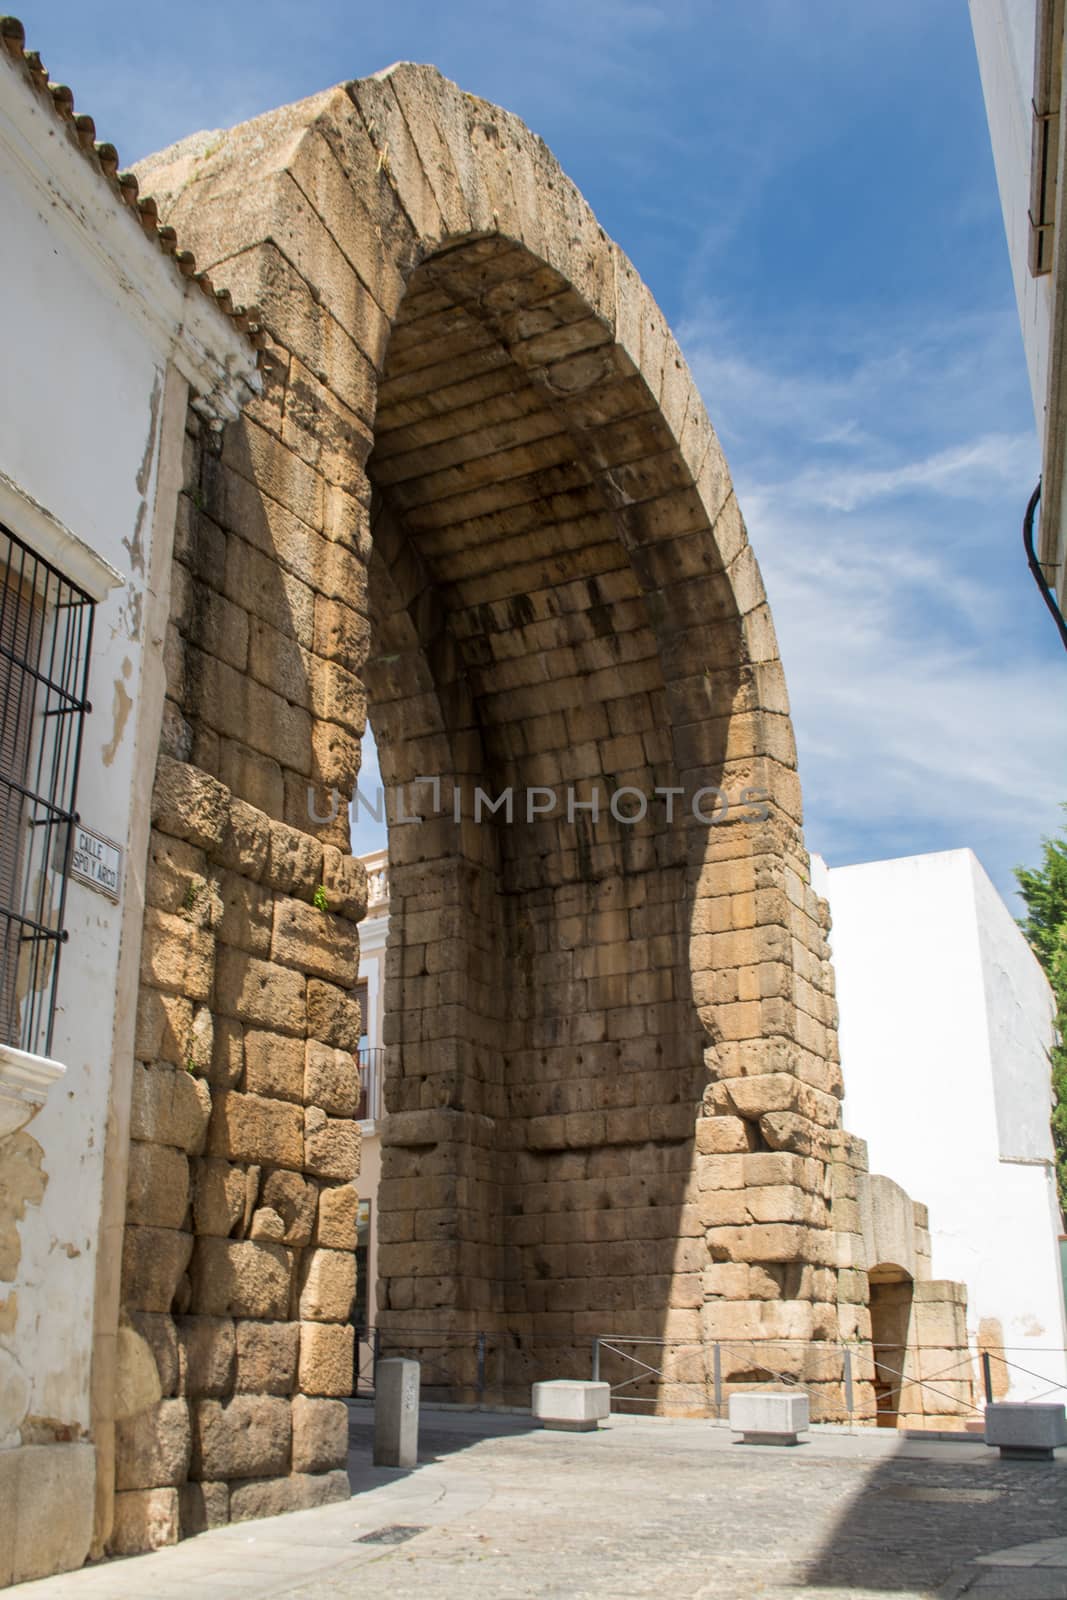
pixel 481 485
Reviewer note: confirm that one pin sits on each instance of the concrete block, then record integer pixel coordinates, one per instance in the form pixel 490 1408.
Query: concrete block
pixel 396 1413
pixel 1025 1432
pixel 571 1404
pixel 769 1418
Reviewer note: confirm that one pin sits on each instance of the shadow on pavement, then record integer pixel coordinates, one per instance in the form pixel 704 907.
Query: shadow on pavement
pixel 917 1520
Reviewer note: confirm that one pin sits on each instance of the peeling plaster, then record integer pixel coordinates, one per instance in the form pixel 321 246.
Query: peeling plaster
pixel 22 1184
pixel 135 546
pixel 121 706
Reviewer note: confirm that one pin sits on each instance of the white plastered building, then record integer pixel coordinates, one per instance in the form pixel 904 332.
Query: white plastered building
pixel 946 1019
pixel 107 337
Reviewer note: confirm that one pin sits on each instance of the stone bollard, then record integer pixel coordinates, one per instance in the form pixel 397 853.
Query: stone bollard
pixel 396 1413
pixel 1024 1430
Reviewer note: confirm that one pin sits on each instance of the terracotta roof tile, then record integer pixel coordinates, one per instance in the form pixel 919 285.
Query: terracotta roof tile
pixel 104 158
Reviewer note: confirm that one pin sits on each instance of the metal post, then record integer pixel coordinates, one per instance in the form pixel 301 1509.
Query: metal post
pixel 987 1377
pixel 376 1355
pixel 849 1403
pixel 716 1356
pixel 481 1368
pixel 596 1360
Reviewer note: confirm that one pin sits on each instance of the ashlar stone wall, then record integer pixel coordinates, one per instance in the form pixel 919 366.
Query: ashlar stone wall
pixel 481 486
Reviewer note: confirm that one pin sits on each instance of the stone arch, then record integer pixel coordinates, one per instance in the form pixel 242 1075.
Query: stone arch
pixel 481 478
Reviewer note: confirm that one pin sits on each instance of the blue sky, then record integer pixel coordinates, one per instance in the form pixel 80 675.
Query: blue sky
pixel 808 190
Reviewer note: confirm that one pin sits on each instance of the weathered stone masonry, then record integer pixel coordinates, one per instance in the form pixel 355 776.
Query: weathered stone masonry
pixel 480 482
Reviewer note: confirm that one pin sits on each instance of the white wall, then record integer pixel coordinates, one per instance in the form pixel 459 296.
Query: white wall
pixel 1004 39
pixel 945 1018
pixel 99 330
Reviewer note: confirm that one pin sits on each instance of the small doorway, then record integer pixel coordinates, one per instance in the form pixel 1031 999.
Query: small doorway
pixel 891 1300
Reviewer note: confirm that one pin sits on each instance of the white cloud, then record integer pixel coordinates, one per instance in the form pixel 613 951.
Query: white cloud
pixel 883 496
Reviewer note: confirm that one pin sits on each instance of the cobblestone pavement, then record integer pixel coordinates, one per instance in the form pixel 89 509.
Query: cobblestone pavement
pixel 642 1508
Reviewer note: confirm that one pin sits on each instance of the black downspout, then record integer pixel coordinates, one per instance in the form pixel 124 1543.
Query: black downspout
pixel 1035 566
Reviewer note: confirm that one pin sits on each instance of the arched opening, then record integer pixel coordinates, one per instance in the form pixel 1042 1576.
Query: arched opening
pixel 544 1054
pixel 891 1335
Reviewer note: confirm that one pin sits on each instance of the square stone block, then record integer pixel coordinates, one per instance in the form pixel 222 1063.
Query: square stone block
pixel 1025 1432
pixel 571 1404
pixel 769 1418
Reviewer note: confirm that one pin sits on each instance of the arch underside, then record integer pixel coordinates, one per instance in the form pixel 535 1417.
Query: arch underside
pixel 546 1054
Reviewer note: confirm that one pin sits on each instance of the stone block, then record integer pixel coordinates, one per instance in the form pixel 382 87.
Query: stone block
pixel 145 1519
pixel 169 1106
pixel 344 878
pixel 250 1127
pixel 1025 1431
pixel 241 1278
pixel 328 1285
pixel 267 1224
pixel 314 941
pixel 160 1338
pixel 332 1016
pixel 203 1506
pixel 338 1213
pixel 320 1434
pixel 331 1079
pixel 300 1491
pixel 247 914
pixel 326 1357
pixel 723 1135
pixel 570 1404
pixel 266 1357
pixel 46 1509
pixel 153 1263
pixel 227 1053
pixel 396 1413
pixel 294 1199
pixel 247 1436
pixel 294 861
pixel 164 1027
pixel 137 1378
pixel 275 1065
pixel 219 1191
pixel 331 1146
pixel 189 804
pixel 769 1418
pixel 245 840
pixel 157 1185
pixel 152 1449
pixel 176 955
pixel 207 1351
pixel 258 992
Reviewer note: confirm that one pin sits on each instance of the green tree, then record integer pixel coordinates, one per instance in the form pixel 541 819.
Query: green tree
pixel 1044 889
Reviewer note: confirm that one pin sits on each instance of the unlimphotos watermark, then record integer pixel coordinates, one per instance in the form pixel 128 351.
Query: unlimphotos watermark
pixel 627 804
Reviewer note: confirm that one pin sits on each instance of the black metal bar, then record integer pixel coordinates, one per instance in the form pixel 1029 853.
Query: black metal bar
pixel 987 1377
pixel 46 625
pixel 596 1360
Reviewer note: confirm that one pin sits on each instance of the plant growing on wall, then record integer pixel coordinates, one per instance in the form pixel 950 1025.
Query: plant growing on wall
pixel 1044 889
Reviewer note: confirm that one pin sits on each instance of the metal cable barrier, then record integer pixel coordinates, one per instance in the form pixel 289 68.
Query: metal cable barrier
pixel 476 1366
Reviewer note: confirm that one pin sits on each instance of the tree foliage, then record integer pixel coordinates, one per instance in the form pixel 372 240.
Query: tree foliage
pixel 1044 890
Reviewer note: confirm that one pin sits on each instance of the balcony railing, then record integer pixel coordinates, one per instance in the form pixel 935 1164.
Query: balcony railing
pixel 377 885
pixel 371 1070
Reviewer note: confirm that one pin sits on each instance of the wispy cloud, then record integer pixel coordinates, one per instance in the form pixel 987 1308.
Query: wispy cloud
pixel 883 508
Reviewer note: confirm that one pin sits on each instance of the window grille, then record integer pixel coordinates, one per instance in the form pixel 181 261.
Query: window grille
pixel 46 627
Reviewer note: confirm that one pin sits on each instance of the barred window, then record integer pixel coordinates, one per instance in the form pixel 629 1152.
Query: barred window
pixel 45 636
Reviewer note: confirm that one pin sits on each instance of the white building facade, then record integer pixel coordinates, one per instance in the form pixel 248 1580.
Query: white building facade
pixel 945 1026
pixel 106 339
pixel 1020 46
